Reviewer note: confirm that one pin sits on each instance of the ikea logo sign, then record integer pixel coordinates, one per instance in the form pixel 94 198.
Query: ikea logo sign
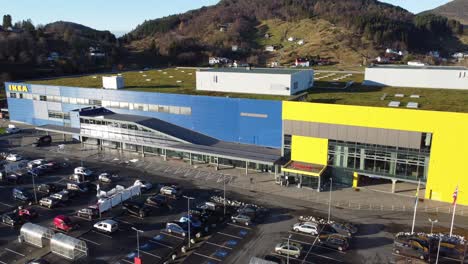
pixel 18 88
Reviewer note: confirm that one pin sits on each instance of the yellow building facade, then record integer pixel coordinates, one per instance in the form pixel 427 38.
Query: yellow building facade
pixel 448 162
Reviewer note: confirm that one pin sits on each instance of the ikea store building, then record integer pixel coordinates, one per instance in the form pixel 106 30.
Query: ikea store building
pixel 304 142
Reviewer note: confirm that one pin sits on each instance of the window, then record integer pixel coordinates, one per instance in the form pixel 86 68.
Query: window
pixel 42 98
pixel 12 95
pixel 163 109
pixel 35 97
pixel 152 108
pixel 20 96
pixel 185 111
pixel 72 100
pixel 65 100
pixel 57 115
pixel 215 79
pixel 295 85
pixel 174 110
pixel 95 102
pixel 123 105
pixel 27 96
pixel 114 104
pixel 140 107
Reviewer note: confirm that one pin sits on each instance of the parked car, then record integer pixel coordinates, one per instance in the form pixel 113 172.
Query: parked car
pixel 38 261
pixel 89 213
pixel 242 219
pixel 182 229
pixel 306 227
pixel 137 209
pixel 107 226
pixel 38 171
pixel 274 259
pixel 285 248
pixel 157 200
pixel 412 246
pixel 62 196
pixel 78 178
pixel 36 162
pixel 64 223
pixel 335 241
pixel 83 171
pixel 79 187
pixel 47 188
pixel 108 178
pixel 171 191
pixel 343 229
pixel 48 202
pixel 27 213
pixel 12 219
pixel 14 157
pixel 14 178
pixel 13 130
pixel 144 185
pixel 43 141
pixel 194 221
pixel 334 229
pixel 21 195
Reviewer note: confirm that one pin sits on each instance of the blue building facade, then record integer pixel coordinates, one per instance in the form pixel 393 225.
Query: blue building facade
pixel 238 120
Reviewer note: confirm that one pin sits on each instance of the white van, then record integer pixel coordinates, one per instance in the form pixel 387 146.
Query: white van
pixel 107 226
pixel 83 171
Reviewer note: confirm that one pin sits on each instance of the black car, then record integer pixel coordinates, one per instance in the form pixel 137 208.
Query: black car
pixel 335 241
pixel 21 195
pixel 157 200
pixel 138 209
pixel 43 141
pixel 47 188
pixel 274 259
pixel 12 219
pixel 89 213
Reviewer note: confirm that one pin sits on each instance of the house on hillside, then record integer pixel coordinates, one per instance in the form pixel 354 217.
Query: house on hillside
pixel 270 48
pixel 235 48
pixel 223 27
pixel 291 39
pixel 267 36
pixel 302 62
pixel 218 61
pixel 96 52
pixel 14 30
pixel 300 42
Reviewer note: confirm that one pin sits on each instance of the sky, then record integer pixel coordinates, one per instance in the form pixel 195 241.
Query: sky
pixel 121 16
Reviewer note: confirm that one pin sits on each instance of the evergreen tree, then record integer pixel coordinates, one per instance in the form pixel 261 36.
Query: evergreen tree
pixel 7 21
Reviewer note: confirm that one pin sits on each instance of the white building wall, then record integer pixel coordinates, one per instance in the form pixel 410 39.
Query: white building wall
pixel 253 83
pixel 418 78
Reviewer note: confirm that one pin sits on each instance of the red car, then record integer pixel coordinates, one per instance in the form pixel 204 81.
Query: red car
pixel 64 223
pixel 27 213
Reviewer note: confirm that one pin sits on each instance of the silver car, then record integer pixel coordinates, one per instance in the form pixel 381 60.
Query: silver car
pixel 291 249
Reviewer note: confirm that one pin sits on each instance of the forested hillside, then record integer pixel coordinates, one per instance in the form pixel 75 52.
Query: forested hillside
pixel 370 26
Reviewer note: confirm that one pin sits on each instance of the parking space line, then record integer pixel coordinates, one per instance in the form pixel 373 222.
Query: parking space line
pixel 326 257
pixel 123 221
pixel 9 205
pixel 12 251
pixel 161 244
pixel 92 242
pixel 218 245
pixel 167 234
pixel 99 233
pixel 123 260
pixel 314 245
pixel 205 256
pixel 221 233
pixel 245 227
pixel 302 234
pixel 6 263
pixel 302 261
pixel 156 256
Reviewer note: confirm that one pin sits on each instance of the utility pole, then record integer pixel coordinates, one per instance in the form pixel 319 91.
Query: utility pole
pixel 188 216
pixel 34 185
pixel 330 200
pixel 432 223
pixel 415 207
pixel 287 259
pixel 138 240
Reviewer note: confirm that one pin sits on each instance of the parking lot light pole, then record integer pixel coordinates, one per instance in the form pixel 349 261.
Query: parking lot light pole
pixel 432 223
pixel 287 258
pixel 138 240
pixel 188 216
pixel 34 185
pixel 224 194
pixel 330 200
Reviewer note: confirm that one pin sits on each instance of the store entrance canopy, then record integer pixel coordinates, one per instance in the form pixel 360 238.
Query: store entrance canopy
pixel 315 170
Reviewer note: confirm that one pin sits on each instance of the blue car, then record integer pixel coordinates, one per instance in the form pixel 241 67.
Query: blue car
pixel 182 229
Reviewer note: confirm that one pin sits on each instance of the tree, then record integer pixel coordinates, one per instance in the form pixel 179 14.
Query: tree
pixel 7 21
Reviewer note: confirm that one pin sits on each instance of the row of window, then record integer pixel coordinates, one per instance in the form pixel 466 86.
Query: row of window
pixel 176 110
pixel 59 115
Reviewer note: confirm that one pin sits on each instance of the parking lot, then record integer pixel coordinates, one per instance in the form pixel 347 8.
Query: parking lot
pixel 227 242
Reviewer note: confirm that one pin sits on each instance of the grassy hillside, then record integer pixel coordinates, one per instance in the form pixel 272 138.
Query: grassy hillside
pixel 320 38
pixel 456 9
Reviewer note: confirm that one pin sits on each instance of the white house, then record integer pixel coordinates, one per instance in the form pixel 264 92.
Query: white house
pixel 417 76
pixel 300 62
pixel 255 80
pixel 291 39
pixel 218 60
pixel 300 42
pixel 270 48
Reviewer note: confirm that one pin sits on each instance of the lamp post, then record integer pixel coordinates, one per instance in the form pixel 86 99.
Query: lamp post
pixel 224 194
pixel 432 223
pixel 138 240
pixel 330 200
pixel 33 175
pixel 438 250
pixel 188 216
pixel 287 259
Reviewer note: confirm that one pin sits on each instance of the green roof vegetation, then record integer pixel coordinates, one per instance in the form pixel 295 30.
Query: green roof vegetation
pixel 430 99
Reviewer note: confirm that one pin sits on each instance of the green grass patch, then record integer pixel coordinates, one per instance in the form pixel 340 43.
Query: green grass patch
pixel 3 130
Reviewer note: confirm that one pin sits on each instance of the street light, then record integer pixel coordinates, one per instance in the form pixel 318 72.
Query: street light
pixel 138 239
pixel 287 259
pixel 330 200
pixel 432 223
pixel 438 250
pixel 34 185
pixel 188 216
pixel 224 194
